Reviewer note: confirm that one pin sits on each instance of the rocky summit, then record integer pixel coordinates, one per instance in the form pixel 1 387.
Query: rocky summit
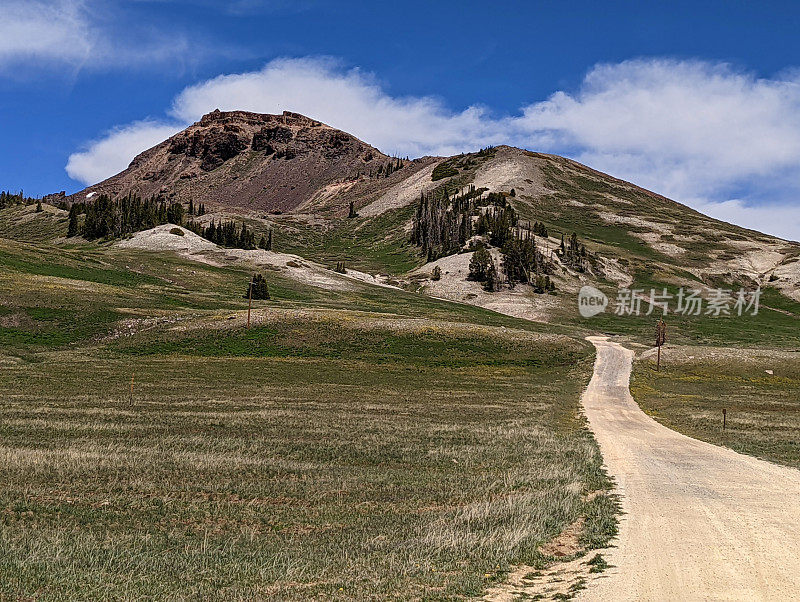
pixel 247 160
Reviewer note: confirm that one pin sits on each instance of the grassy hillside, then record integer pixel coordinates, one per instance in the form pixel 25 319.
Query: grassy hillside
pixel 376 245
pixel 774 327
pixel 366 443
pixel 23 223
pixel 54 297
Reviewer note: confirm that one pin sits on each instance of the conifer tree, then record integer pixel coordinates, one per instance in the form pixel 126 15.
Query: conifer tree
pixel 492 282
pixel 479 264
pixel 520 260
pixel 72 228
pixel 227 234
pixel 259 288
pixel 175 214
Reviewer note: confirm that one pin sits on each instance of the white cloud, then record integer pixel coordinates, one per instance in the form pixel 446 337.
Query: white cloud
pixel 349 100
pixel 699 132
pixel 80 34
pixel 687 128
pixel 45 30
pixel 775 218
pixel 112 153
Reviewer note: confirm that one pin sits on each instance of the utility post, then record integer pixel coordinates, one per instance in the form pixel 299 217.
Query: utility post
pixel 661 338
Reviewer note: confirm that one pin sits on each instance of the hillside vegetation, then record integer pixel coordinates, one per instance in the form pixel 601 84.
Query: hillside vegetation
pixel 356 442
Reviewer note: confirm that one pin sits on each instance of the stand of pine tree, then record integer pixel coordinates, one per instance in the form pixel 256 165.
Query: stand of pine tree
pixel 8 198
pixel 443 225
pixel 196 209
pixel 228 234
pixel 522 261
pixel 574 254
pixel 112 218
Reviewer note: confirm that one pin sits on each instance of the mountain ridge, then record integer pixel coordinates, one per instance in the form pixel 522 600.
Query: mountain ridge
pixel 214 151
pixel 299 176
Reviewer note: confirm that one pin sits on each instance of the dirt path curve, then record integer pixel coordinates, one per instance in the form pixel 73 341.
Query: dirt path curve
pixel 701 522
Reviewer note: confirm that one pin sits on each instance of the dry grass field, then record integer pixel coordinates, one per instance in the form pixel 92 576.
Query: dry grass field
pixel 413 449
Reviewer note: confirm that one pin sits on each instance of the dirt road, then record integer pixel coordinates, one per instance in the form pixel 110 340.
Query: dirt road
pixel 701 522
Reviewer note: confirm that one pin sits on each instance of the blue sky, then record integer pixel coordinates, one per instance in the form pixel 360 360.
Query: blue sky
pixel 698 101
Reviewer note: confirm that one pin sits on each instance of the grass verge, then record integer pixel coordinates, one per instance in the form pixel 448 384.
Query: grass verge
pixel 696 384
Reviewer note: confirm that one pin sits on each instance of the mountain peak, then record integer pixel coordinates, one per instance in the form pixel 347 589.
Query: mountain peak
pixel 244 159
pixel 248 117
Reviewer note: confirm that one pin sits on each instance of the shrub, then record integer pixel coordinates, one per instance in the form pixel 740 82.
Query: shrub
pixel 259 287
pixel 176 232
pixel 437 273
pixel 444 170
